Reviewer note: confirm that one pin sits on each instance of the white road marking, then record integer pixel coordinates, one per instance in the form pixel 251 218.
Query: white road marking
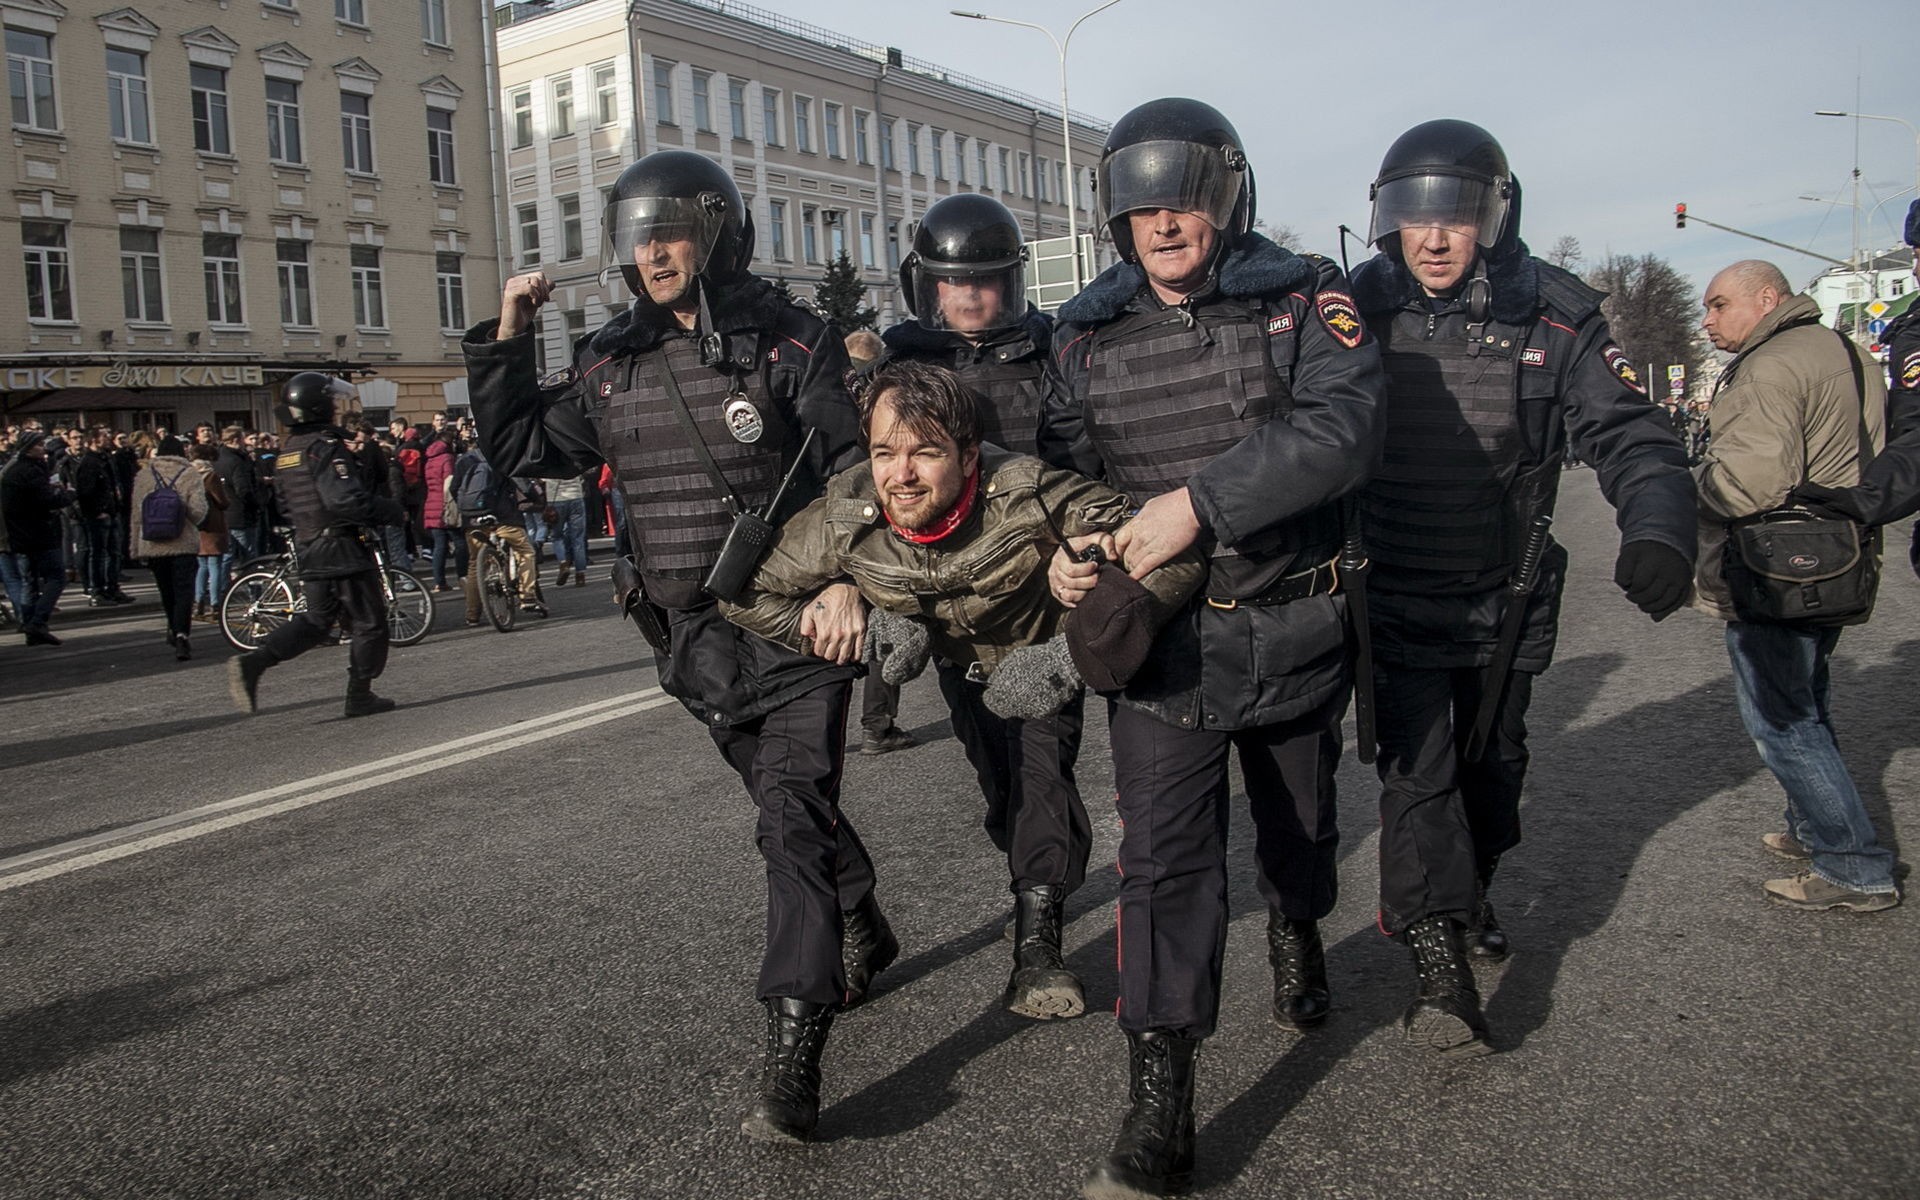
pixel 50 861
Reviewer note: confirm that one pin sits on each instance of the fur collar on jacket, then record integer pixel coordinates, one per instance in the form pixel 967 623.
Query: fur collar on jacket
pixel 1383 284
pixel 911 337
pixel 1255 267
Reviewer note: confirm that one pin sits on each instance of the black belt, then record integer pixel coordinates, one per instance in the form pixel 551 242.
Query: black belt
pixel 1314 581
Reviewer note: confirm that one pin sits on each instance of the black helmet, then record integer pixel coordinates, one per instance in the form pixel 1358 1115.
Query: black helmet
pixel 1913 224
pixel 1446 173
pixel 1175 154
pixel 312 398
pixel 972 237
pixel 673 194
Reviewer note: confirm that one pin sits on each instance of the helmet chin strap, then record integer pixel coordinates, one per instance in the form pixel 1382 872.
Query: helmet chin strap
pixel 713 351
pixel 1479 297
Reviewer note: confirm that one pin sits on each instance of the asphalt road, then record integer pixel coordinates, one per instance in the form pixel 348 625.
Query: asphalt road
pixel 502 943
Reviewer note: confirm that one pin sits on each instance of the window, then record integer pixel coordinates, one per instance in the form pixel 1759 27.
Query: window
pixel 663 92
pixel 30 81
pixel 702 101
pixel 211 131
pixel 570 243
pixel 296 282
pixel 803 123
pixel 939 155
pixel 981 179
pixel 959 159
pixel 351 12
pixel 913 149
pixel 356 132
pixel 369 295
pixel 777 227
pixel 830 118
pixel 140 275
pixel 452 287
pixel 893 245
pixel 1006 175
pixel 49 269
pixel 861 154
pixel 573 324
pixel 886 143
pixel 809 236
pixel 283 121
pixel 1060 194
pixel 528 218
pixel 560 93
pixel 220 252
pixel 440 146
pixel 1026 174
pixel 127 109
pixel 522 104
pixel 1040 177
pixel 606 95
pixel 866 240
pixel 737 107
pixel 433 22
pixel 770 114
pixel 836 234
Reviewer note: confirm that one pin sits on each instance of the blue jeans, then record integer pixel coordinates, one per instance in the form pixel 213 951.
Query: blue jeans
pixel 570 539
pixel 34 583
pixel 103 556
pixel 445 540
pixel 1780 680
pixel 210 580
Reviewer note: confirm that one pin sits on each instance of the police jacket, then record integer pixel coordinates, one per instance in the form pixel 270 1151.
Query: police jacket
pixel 769 372
pixel 1889 489
pixel 981 590
pixel 323 494
pixel 1010 371
pixel 1481 409
pixel 1262 398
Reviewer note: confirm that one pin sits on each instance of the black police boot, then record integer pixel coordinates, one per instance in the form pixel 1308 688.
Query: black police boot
pixel 1300 995
pixel 361 702
pixel 1445 1016
pixel 1485 938
pixel 789 1103
pixel 1153 1156
pixel 1041 986
pixel 243 679
pixel 867 947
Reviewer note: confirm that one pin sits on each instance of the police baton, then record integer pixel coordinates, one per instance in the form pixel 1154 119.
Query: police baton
pixel 1519 591
pixel 1354 569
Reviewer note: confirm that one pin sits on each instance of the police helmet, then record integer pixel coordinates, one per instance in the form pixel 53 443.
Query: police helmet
pixel 676 194
pixel 312 398
pixel 1913 224
pixel 975 241
pixel 1175 154
pixel 1450 174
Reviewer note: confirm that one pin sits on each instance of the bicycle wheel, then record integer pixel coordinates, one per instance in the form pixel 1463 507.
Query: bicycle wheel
pixel 497 593
pixel 256 604
pixel 409 608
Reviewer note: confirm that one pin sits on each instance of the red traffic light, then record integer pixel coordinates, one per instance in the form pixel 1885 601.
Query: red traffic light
pixel 1679 216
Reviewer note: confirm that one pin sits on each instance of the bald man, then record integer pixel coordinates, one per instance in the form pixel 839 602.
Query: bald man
pixel 1800 404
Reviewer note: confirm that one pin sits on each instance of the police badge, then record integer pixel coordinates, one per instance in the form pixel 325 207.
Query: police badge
pixel 743 419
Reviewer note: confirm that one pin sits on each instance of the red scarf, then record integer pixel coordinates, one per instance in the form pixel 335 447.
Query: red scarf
pixel 947 524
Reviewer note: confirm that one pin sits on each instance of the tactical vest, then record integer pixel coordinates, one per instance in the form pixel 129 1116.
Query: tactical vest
pixel 293 481
pixel 1453 445
pixel 1005 381
pixel 676 518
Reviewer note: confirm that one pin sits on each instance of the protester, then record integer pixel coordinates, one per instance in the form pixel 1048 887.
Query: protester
pixel 34 569
pixel 169 504
pixel 210 577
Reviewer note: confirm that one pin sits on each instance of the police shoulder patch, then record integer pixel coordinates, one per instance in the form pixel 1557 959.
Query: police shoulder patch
pixel 341 469
pixel 1619 364
pixel 1910 371
pixel 1340 317
pixel 289 458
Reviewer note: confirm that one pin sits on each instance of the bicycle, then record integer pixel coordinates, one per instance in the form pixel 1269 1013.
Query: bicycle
pixel 265 594
pixel 504 594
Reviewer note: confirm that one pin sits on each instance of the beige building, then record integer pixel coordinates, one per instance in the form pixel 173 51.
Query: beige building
pixel 207 198
pixel 837 144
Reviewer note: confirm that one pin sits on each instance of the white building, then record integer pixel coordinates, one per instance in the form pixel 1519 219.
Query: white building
pixel 1843 293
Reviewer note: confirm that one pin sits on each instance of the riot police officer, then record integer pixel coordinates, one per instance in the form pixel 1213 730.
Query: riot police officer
pixel 1230 383
pixel 1497 364
pixel 321 489
pixel 711 386
pixel 965 283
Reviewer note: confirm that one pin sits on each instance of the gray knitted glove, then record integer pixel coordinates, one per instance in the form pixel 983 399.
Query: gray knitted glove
pixel 897 646
pixel 1033 681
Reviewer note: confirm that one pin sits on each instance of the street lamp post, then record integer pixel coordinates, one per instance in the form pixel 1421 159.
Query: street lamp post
pixel 1066 121
pixel 1829 112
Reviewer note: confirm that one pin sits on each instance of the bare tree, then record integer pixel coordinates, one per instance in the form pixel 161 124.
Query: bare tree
pixel 1566 253
pixel 1280 235
pixel 1651 309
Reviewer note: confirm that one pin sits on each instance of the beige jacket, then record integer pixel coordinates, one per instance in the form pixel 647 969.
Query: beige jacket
pixel 192 491
pixel 1786 411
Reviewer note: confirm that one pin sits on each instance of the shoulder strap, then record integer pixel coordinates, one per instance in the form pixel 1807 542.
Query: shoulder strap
pixel 692 430
pixel 1860 390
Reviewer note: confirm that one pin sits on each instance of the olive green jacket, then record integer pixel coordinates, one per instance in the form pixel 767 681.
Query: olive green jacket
pixel 981 591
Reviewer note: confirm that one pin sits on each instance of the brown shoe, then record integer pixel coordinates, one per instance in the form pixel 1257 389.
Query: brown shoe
pixel 1785 846
pixel 1810 893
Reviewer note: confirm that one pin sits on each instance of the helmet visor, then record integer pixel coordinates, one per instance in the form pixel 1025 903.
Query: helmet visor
pixel 974 298
pixel 641 220
pixel 1181 176
pixel 1473 207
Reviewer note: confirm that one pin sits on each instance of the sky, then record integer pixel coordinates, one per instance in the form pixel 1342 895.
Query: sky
pixel 1610 114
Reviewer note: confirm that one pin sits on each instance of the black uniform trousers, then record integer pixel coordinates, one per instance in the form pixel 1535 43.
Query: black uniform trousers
pixel 791 761
pixel 1444 821
pixel 1173 804
pixel 358 603
pixel 1034 812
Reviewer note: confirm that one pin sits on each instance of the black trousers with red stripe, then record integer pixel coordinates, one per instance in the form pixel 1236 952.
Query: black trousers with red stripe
pixel 1174 802
pixel 791 761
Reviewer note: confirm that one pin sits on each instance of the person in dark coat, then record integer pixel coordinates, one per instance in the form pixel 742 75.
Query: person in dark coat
pixel 35 565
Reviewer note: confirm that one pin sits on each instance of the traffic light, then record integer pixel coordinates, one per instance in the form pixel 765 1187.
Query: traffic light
pixel 1679 216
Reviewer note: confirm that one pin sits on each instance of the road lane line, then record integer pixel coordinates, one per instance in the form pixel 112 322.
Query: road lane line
pixel 240 810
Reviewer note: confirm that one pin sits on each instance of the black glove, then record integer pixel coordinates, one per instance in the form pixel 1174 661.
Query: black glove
pixel 1655 576
pixel 897 646
pixel 1828 502
pixel 1033 681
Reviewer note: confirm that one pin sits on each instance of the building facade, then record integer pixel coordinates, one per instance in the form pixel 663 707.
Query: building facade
pixel 208 197
pixel 838 145
pixel 1847 295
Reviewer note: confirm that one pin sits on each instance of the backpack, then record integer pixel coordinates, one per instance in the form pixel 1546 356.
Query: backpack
pixel 163 514
pixel 413 469
pixel 479 489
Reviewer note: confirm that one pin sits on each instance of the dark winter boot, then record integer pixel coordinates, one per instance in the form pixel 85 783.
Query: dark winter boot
pixel 361 702
pixel 1300 995
pixel 1445 1016
pixel 243 679
pixel 1485 939
pixel 1041 986
pixel 1153 1156
pixel 789 1103
pixel 867 947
